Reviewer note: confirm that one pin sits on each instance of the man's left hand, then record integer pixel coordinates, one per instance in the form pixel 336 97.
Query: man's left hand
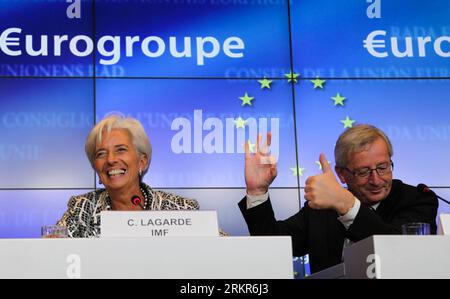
pixel 323 191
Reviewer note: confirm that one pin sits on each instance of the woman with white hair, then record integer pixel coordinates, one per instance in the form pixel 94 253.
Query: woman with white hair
pixel 120 153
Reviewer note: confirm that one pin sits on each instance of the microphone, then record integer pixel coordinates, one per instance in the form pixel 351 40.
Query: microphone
pixel 425 189
pixel 136 200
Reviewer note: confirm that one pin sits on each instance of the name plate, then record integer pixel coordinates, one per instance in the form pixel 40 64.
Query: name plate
pixel 444 224
pixel 119 224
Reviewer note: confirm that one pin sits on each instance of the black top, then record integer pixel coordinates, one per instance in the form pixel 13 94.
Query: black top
pixel 321 235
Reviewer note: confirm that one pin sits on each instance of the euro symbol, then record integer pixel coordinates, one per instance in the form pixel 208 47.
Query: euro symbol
pixel 371 44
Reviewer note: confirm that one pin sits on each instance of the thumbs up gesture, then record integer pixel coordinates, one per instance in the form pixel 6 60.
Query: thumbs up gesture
pixel 323 191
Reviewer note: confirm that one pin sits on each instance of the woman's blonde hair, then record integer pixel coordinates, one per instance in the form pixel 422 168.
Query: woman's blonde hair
pixel 133 126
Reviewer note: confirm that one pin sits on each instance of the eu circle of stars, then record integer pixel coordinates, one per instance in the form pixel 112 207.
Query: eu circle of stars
pixel 337 100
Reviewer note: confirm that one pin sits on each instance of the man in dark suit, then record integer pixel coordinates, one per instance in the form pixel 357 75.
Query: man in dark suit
pixel 334 217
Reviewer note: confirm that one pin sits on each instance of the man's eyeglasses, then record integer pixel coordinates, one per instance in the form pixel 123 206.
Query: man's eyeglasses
pixel 365 173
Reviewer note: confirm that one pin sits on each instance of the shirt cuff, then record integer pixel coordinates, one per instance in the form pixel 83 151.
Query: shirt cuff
pixel 348 218
pixel 255 200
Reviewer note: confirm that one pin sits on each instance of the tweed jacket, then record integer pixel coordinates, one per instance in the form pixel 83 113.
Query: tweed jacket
pixel 82 217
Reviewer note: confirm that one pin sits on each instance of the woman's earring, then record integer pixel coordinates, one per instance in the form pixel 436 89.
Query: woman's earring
pixel 140 172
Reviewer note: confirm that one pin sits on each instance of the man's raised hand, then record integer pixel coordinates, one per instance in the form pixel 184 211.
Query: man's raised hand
pixel 260 167
pixel 323 191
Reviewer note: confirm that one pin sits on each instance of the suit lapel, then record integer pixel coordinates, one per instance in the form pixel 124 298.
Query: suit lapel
pixel 388 204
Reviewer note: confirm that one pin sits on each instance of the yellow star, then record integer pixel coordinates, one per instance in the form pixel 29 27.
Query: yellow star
pixel 297 171
pixel 338 100
pixel 265 83
pixel 348 123
pixel 320 165
pixel 246 100
pixel 240 123
pixel 292 77
pixel 251 146
pixel 318 83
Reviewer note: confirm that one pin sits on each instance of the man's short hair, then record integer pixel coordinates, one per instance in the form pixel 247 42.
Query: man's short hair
pixel 356 139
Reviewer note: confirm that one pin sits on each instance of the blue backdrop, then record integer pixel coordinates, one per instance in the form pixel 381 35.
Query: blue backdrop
pixel 182 67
